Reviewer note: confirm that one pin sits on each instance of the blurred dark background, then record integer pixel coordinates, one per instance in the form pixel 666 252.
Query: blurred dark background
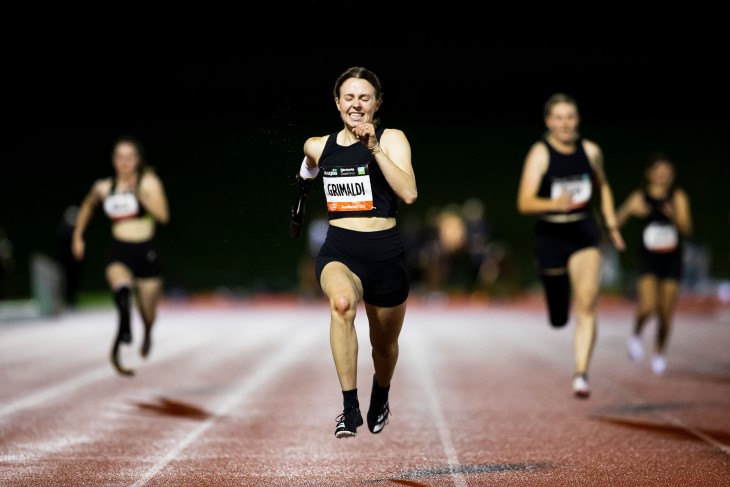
pixel 224 126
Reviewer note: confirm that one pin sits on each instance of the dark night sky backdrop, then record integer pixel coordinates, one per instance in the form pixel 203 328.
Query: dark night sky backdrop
pixel 224 123
pixel 497 81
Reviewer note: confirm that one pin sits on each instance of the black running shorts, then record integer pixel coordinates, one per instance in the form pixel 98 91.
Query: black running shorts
pixel 377 258
pixel 142 258
pixel 556 242
pixel 661 265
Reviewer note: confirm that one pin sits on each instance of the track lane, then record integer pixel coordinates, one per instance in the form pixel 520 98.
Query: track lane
pixel 480 397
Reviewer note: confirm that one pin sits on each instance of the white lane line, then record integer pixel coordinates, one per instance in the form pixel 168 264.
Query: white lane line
pixel 699 434
pixel 538 348
pixel 634 397
pixel 247 387
pixel 44 396
pixel 48 394
pixel 420 354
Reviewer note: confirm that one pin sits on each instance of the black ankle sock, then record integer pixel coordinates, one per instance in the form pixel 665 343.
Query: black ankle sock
pixel 350 399
pixel 380 393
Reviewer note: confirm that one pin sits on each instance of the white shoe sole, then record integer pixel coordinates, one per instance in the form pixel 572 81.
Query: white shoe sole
pixel 580 388
pixel 635 349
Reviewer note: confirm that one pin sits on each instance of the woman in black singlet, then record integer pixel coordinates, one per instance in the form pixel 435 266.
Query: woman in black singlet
pixel 663 212
pixel 562 175
pixel 134 199
pixel 366 170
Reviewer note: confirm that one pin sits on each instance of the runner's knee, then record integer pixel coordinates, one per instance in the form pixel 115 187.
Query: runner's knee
pixel 344 306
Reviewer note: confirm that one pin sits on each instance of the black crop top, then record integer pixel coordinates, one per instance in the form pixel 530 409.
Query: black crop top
pixel 123 205
pixel 658 232
pixel 570 172
pixel 354 185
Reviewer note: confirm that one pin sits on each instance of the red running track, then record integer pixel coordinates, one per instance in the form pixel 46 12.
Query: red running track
pixel 247 394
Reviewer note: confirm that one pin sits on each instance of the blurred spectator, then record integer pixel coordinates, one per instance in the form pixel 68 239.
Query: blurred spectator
pixel 478 231
pixel 448 265
pixel 7 263
pixel 462 256
pixel 316 234
pixel 696 261
pixel 72 267
pixel 484 254
pixel 415 239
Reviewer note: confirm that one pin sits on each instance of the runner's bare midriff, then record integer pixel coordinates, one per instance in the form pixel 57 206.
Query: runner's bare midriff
pixel 134 230
pixel 372 224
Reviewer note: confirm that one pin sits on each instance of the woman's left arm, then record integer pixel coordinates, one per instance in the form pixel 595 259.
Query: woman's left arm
pixel 682 215
pixel 595 156
pixel 152 196
pixel 393 155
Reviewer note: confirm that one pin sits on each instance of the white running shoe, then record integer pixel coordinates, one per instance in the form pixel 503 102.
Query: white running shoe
pixel 635 347
pixel 580 386
pixel 658 364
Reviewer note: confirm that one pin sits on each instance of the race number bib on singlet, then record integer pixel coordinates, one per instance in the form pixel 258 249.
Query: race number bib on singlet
pixel 348 188
pixel 660 237
pixel 121 205
pixel 579 188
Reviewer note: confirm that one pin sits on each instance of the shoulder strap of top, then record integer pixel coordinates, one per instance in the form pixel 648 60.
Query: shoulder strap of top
pixel 551 151
pixel 331 141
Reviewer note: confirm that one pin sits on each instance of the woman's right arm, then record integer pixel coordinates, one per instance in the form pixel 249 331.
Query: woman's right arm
pixel 313 148
pixel 632 206
pixel 305 177
pixel 82 220
pixel 533 169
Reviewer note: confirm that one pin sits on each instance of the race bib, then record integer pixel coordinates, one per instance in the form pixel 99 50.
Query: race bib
pixel 578 187
pixel 660 237
pixel 121 205
pixel 348 188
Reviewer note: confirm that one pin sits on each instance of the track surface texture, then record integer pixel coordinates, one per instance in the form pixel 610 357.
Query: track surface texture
pixel 238 394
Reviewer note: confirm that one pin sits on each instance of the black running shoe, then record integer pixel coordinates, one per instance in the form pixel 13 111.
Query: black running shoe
pixel 377 416
pixel 347 423
pixel 378 411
